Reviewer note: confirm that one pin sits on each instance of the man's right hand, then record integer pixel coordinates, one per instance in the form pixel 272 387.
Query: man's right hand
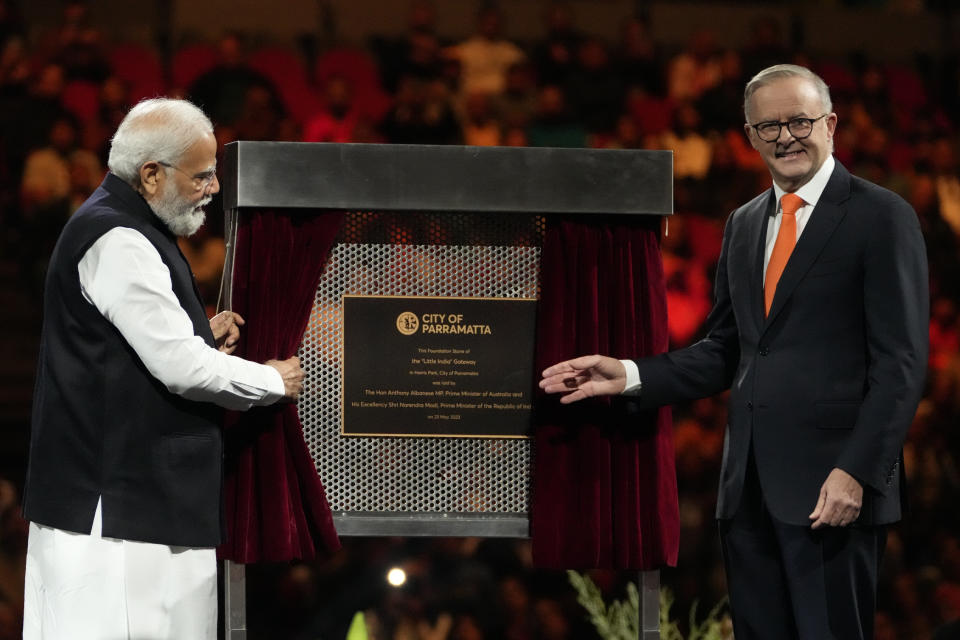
pixel 585 377
pixel 292 375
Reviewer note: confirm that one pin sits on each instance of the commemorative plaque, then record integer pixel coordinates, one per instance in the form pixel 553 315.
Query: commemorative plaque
pixel 437 367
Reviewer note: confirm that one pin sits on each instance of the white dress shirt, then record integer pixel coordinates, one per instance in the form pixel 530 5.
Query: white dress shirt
pixel 123 276
pixel 810 192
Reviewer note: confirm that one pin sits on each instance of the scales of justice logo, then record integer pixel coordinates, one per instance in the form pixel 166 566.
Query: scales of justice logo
pixel 408 323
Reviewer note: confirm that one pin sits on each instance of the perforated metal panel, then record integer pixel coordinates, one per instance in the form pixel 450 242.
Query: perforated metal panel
pixel 415 254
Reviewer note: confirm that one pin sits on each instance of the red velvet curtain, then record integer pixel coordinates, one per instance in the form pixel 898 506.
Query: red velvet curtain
pixel 276 508
pixel 604 491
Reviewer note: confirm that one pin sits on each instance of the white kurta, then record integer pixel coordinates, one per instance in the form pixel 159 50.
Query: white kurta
pixel 81 586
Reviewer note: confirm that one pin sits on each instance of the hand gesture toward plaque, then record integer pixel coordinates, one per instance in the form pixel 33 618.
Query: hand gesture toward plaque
pixel 585 377
pixel 292 374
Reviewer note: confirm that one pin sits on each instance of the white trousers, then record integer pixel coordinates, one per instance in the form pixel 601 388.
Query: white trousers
pixel 87 587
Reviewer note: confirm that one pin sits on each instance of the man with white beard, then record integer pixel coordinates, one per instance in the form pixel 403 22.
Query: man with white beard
pixel 123 487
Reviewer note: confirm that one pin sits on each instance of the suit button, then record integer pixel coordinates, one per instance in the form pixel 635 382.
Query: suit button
pixel 750 406
pixel 764 351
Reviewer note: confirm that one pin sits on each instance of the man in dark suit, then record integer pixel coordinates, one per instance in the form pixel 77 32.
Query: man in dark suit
pixel 819 330
pixel 124 481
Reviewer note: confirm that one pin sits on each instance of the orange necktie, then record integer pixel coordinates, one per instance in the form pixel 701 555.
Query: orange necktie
pixel 783 247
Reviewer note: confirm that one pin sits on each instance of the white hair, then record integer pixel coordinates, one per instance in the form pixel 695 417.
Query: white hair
pixel 780 71
pixel 158 129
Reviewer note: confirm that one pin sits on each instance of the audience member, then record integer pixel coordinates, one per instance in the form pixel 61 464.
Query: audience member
pixel 338 119
pixel 595 88
pixel 422 113
pixel 416 53
pixel 638 59
pixel 694 70
pixel 554 125
pixel 555 56
pixel 517 104
pixel 486 56
pixel 222 91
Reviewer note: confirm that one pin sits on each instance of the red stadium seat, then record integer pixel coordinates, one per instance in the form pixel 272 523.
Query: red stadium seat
pixel 140 69
pixel 82 99
pixel 190 62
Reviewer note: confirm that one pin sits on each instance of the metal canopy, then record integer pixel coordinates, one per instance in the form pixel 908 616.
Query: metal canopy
pixel 388 177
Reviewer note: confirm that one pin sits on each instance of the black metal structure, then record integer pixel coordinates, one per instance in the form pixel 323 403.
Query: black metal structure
pixel 477 186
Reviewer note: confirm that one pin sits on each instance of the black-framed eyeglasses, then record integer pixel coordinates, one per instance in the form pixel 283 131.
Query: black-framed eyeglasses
pixel 799 128
pixel 200 181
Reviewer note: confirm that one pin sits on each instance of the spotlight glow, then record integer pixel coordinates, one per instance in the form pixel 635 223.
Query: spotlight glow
pixel 396 577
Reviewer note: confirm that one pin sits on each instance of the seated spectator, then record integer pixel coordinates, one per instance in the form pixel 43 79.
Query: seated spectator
pixel 221 91
pixel 692 151
pixel 76 44
pixel 56 179
pixel 595 89
pixel 518 102
pixel 416 52
pixel 421 113
pixel 28 117
pixel 59 176
pixel 114 103
pixel 262 117
pixel 14 67
pixel 637 59
pixel 556 56
pixel 722 105
pixel 694 70
pixel 486 56
pixel 338 119
pixel 553 125
pixel 626 135
pixel 765 45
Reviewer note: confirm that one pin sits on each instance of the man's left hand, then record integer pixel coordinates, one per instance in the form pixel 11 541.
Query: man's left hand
pixel 226 330
pixel 841 497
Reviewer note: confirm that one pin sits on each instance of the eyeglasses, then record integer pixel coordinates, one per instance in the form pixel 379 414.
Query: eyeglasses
pixel 799 128
pixel 200 181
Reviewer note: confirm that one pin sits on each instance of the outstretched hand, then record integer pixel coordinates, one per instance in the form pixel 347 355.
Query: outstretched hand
pixel 226 330
pixel 585 377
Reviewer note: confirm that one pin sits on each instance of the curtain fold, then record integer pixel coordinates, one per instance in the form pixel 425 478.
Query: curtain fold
pixel 604 492
pixel 275 506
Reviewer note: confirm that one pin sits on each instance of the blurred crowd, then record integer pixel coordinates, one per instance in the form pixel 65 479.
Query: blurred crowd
pixel 63 91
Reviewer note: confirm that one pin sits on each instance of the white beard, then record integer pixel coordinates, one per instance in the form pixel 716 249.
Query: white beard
pixel 182 217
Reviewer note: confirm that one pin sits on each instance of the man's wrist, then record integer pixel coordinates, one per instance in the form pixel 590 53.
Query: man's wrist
pixel 633 382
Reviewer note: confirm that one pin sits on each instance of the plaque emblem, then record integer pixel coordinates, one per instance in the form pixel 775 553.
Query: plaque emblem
pixel 407 323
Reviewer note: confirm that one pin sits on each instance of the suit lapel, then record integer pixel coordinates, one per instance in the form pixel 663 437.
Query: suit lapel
pixel 759 218
pixel 823 220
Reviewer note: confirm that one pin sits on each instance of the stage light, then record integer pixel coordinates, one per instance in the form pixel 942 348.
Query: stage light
pixel 396 577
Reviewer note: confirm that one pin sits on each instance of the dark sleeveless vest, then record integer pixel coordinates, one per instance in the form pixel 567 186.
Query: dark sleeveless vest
pixel 103 426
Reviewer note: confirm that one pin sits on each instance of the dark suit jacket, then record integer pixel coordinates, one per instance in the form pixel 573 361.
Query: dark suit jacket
pixel 832 377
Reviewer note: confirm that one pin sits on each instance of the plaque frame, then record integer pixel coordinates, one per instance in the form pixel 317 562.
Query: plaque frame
pixel 344 363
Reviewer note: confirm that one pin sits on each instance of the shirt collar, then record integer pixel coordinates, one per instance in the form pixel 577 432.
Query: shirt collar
pixel 811 191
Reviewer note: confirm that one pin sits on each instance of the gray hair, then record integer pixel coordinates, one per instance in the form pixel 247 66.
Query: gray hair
pixel 158 129
pixel 780 71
